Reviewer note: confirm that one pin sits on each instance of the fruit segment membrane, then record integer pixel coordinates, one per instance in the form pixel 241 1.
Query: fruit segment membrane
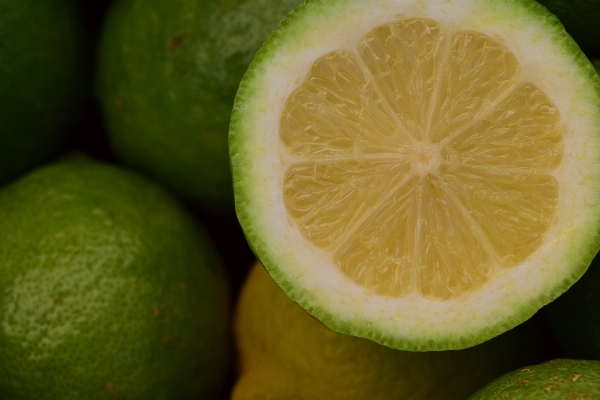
pixel 422 159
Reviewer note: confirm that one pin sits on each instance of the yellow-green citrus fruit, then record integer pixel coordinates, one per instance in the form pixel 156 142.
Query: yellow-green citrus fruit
pixel 108 290
pixel 581 19
pixel 168 73
pixel 560 379
pixel 422 173
pixel 43 79
pixel 575 316
pixel 286 354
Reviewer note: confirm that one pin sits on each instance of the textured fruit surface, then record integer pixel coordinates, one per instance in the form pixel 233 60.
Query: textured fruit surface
pixel 560 379
pixel 286 354
pixel 168 73
pixel 575 316
pixel 43 79
pixel 580 18
pixel 108 290
pixel 416 172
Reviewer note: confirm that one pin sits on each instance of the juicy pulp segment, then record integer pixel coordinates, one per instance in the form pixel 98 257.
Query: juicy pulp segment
pixel 422 160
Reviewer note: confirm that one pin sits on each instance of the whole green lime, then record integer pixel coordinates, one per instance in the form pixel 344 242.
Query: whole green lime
pixel 43 79
pixel 168 73
pixel 553 380
pixel 581 19
pixel 108 290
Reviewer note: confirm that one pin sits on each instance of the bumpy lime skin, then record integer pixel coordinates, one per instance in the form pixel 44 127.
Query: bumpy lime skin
pixel 560 379
pixel 43 79
pixel 108 290
pixel 575 316
pixel 168 74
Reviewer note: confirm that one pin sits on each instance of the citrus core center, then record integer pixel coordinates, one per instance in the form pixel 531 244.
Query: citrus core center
pixel 425 158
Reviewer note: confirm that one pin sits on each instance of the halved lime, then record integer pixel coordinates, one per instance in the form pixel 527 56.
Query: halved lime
pixel 425 174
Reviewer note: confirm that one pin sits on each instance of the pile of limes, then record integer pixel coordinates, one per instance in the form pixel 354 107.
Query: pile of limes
pixel 416 178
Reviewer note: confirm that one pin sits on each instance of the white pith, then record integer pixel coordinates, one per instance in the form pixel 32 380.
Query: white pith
pixel 291 258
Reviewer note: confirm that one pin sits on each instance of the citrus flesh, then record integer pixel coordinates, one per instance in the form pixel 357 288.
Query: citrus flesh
pixel 553 380
pixel 417 173
pixel 270 329
pixel 473 175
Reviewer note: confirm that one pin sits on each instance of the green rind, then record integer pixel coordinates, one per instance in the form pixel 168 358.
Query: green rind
pixel 108 290
pixel 553 380
pixel 581 20
pixel 581 254
pixel 575 316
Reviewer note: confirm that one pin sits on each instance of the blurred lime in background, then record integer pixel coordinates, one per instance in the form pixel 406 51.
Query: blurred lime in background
pixel 561 379
pixel 168 73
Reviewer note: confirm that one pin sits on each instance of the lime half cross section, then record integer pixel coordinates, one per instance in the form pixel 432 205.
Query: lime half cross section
pixel 424 174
